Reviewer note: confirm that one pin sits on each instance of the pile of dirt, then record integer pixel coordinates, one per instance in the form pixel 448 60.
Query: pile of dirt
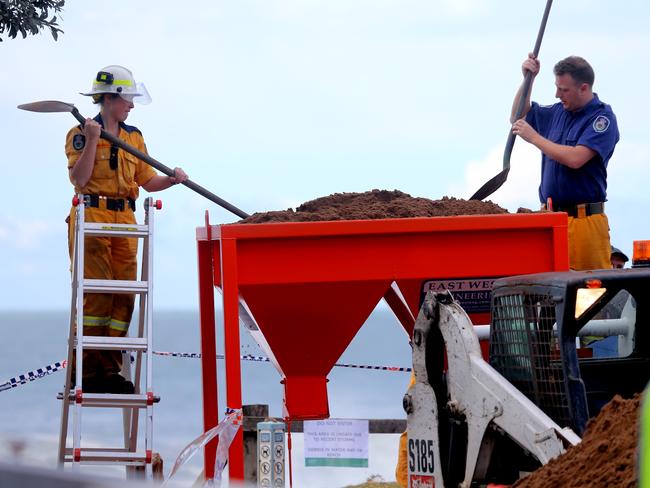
pixel 606 456
pixel 375 204
pixel 524 210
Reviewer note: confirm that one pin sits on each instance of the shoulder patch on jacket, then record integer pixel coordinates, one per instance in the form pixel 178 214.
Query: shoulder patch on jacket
pixel 601 123
pixel 78 142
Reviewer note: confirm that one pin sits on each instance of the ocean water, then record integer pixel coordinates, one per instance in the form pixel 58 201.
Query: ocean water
pixel 30 414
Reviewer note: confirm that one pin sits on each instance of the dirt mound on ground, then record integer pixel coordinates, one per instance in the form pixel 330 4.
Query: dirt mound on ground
pixel 375 204
pixel 605 457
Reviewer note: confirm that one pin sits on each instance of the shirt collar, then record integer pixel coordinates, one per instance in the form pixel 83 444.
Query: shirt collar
pixel 100 121
pixel 593 104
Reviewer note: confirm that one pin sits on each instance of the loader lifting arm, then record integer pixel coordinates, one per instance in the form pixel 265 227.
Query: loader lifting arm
pixel 470 390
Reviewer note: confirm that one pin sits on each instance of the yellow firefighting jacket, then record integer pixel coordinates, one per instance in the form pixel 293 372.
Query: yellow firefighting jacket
pixel 122 182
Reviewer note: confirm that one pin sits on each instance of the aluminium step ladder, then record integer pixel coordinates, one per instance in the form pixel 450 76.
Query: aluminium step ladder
pixel 74 398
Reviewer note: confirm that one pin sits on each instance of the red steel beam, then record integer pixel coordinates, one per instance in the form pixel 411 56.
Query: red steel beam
pixel 208 352
pixel 230 290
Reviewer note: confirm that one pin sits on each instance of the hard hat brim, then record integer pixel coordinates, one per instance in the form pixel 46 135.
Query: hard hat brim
pixel 91 94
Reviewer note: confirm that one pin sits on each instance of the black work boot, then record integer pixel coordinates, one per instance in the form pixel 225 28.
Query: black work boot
pixel 116 383
pixel 92 384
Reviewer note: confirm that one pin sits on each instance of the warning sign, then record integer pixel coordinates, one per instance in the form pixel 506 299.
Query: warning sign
pixel 473 294
pixel 336 443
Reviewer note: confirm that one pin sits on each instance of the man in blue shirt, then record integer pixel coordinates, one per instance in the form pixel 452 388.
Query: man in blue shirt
pixel 577 137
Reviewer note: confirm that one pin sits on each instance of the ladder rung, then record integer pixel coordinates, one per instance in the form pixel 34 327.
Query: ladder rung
pixel 112 400
pixel 115 286
pixel 115 230
pixel 108 456
pixel 68 450
pixel 106 343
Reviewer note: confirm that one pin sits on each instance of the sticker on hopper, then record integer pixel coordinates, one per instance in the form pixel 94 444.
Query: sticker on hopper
pixel 473 294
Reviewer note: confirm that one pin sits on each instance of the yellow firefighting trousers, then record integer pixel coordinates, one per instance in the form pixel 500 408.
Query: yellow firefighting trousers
pixel 106 258
pixel 401 471
pixel 589 246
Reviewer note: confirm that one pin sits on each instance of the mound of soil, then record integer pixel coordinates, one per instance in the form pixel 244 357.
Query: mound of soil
pixel 375 204
pixel 606 456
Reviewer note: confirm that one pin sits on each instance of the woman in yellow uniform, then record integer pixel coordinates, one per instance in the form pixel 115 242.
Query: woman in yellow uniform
pixel 111 178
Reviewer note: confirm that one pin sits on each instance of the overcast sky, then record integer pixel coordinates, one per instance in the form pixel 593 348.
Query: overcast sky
pixel 271 103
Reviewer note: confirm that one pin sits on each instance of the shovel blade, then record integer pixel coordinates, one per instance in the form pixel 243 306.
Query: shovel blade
pixel 47 106
pixel 491 186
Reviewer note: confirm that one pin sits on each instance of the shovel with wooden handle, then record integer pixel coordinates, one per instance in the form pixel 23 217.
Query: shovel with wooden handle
pixel 55 106
pixel 495 183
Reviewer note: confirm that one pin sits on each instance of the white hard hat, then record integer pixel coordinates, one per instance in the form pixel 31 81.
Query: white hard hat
pixel 119 80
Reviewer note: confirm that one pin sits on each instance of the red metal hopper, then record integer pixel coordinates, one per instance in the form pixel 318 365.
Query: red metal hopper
pixel 311 286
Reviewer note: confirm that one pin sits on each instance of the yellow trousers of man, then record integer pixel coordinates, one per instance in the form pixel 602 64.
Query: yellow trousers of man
pixel 106 258
pixel 589 248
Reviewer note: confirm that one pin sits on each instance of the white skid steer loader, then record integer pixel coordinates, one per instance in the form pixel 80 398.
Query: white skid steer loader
pixel 466 421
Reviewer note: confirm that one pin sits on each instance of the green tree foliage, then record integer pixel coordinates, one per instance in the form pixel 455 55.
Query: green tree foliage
pixel 29 17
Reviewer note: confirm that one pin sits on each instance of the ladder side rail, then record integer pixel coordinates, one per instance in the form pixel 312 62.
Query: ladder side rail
pixel 65 404
pixel 149 206
pixel 80 217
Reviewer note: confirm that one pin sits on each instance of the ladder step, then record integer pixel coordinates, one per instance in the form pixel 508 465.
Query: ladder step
pixel 111 400
pixel 105 343
pixel 68 450
pixel 94 455
pixel 115 286
pixel 115 230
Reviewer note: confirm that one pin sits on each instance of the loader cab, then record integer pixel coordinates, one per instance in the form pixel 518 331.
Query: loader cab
pixel 571 341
